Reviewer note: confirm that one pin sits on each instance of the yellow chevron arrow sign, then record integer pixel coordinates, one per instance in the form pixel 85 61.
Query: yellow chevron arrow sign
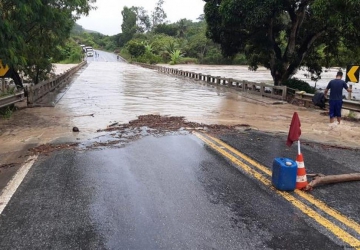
pixel 3 69
pixel 352 73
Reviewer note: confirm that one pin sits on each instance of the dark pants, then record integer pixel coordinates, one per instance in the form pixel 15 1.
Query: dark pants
pixel 335 108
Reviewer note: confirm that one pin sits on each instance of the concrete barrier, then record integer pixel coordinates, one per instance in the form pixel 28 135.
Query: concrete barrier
pixel 306 98
pixel 11 99
pixel 39 90
pixel 267 90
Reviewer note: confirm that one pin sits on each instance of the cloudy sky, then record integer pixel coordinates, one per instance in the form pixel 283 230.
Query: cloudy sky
pixel 107 18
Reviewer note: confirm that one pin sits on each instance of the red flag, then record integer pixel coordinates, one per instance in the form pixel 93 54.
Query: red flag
pixel 295 131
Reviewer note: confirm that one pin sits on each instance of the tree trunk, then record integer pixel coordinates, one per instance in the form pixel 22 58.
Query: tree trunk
pixel 282 73
pixel 276 77
pixel 320 179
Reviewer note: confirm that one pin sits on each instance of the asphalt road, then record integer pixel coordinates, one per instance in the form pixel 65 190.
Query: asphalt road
pixel 317 158
pixel 176 191
pixel 171 192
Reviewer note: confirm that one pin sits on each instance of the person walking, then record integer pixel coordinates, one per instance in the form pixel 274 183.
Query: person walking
pixel 336 87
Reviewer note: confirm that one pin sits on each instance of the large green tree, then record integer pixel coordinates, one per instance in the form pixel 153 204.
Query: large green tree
pixel 128 25
pixel 30 31
pixel 283 35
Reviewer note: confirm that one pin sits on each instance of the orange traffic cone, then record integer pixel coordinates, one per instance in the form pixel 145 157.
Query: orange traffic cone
pixel 301 180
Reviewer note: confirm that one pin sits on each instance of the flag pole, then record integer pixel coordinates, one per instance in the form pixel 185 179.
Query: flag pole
pixel 299 151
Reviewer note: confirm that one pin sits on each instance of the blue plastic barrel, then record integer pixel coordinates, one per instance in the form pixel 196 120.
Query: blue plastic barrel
pixel 284 172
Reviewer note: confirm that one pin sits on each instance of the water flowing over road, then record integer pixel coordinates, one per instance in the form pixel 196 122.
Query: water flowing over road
pixel 108 90
pixel 144 187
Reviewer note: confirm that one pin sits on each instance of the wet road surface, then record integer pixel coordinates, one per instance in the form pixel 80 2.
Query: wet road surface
pixel 157 193
pixel 167 192
pixel 108 91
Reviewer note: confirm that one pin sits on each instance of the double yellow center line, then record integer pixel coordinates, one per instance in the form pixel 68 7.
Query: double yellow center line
pixel 229 152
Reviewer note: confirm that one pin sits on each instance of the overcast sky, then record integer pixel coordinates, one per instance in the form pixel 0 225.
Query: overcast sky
pixel 107 18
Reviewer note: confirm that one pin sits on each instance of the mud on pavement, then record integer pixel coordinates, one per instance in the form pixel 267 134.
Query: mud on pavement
pixel 118 135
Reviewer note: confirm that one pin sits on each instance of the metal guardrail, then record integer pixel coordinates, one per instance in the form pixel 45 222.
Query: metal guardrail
pixel 275 92
pixel 9 100
pixel 39 90
pixel 307 99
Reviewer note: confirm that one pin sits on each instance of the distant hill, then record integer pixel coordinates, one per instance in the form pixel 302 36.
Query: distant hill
pixel 79 29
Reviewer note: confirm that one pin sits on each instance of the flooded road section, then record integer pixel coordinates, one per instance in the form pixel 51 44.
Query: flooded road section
pixel 108 91
pixel 263 75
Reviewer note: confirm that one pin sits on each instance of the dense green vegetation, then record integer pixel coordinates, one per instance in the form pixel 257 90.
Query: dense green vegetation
pixel 157 41
pixel 286 35
pixel 283 36
pixel 280 35
pixel 33 33
pixel 149 38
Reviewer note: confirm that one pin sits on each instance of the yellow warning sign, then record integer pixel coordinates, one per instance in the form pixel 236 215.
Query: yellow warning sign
pixel 3 69
pixel 352 73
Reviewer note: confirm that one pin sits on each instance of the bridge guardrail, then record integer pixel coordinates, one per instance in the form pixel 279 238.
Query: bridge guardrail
pixel 307 99
pixel 11 99
pixel 35 92
pixel 275 92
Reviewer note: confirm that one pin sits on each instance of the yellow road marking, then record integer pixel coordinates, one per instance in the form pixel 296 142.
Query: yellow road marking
pixel 340 233
pixel 321 205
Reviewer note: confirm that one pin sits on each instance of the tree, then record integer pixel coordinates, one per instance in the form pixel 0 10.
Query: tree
pixel 158 15
pixel 136 49
pixel 182 27
pixel 142 20
pixel 128 26
pixel 167 29
pixel 30 32
pixel 283 35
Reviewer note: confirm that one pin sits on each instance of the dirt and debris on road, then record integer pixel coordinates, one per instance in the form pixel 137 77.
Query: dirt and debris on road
pixel 49 148
pixel 118 135
pixel 161 124
pixel 121 134
pixel 9 165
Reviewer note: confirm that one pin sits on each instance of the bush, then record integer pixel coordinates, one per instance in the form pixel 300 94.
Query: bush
pixel 76 57
pixel 135 49
pixel 189 60
pixel 6 112
pixel 149 58
pixel 300 85
pixel 240 59
pixel 125 54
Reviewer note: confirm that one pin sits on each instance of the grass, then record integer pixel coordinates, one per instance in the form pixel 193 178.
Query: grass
pixel 10 91
pixel 351 115
pixel 6 112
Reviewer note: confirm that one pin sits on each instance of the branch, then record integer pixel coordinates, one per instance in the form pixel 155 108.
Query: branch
pixel 290 10
pixel 297 20
pixel 275 46
pixel 308 42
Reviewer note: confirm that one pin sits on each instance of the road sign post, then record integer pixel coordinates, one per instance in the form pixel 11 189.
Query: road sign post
pixel 349 93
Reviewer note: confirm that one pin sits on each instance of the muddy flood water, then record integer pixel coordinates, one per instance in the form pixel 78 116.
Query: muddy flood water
pixel 108 91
